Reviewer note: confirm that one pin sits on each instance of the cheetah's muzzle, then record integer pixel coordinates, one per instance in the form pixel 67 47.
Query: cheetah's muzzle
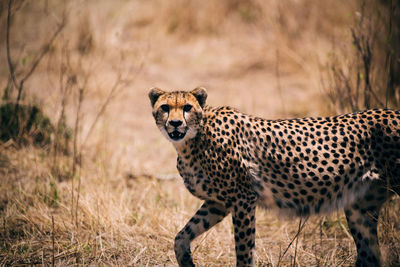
pixel 176 135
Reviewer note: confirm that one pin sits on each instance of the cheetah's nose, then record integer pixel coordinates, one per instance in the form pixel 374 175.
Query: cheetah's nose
pixel 175 123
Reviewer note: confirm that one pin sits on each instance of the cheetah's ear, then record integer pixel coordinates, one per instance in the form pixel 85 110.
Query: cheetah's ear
pixel 154 94
pixel 200 94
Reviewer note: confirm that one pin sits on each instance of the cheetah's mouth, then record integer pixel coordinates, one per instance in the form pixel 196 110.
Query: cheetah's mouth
pixel 176 135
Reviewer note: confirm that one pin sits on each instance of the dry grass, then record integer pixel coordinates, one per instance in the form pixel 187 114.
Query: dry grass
pixel 126 220
pixel 262 58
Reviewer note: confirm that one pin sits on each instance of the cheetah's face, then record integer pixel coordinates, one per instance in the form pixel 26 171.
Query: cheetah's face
pixel 178 114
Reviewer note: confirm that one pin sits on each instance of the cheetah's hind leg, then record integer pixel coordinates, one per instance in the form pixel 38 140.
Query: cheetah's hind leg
pixel 362 217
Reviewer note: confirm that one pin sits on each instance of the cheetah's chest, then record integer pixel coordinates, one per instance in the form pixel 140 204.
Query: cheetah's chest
pixel 194 178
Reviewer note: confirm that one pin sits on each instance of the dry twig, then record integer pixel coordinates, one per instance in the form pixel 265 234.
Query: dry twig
pixel 302 223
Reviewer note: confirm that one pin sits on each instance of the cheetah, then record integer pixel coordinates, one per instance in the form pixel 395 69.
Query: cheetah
pixel 235 162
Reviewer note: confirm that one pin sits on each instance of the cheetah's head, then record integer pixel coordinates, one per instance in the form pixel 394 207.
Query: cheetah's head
pixel 178 114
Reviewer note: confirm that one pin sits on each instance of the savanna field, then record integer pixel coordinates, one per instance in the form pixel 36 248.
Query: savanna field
pixel 86 178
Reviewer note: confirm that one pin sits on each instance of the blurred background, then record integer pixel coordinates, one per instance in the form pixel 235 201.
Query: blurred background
pixel 86 178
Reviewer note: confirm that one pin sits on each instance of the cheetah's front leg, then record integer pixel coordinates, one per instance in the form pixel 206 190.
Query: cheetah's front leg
pixel 209 214
pixel 244 223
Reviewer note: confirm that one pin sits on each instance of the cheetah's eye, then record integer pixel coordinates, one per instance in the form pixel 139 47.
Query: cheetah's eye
pixel 165 108
pixel 187 108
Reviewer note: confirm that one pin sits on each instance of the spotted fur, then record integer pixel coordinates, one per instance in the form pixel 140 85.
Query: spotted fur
pixel 306 166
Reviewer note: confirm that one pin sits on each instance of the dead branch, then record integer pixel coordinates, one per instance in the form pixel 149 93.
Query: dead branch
pixel 45 49
pixel 65 88
pixel 115 90
pixel 19 85
pixel 363 47
pixel 278 79
pixel 113 93
pixel 10 64
pixel 52 241
pixel 77 126
pixel 302 223
pixel 356 84
pixel 77 156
